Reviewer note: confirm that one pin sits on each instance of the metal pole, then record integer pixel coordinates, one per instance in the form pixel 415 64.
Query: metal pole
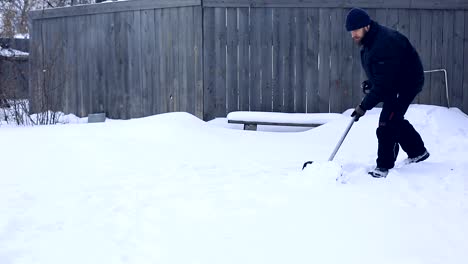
pixel 342 139
pixel 446 84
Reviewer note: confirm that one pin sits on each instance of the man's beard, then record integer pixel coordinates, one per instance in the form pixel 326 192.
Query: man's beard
pixel 359 41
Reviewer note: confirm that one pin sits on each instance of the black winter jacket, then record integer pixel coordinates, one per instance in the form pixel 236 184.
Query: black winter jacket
pixel 392 65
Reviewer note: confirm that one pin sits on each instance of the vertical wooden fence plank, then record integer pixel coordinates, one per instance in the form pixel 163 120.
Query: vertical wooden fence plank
pixel 324 60
pixel 134 80
pixel 255 58
pixel 110 71
pixel 174 48
pixel 456 84
pixel 392 19
pixel 189 65
pixel 197 36
pixel 160 105
pixel 426 47
pixel 91 62
pixel 70 67
pixel 415 34
pixel 465 67
pixel 266 33
pixel 220 50
pixel 103 22
pixel 300 55
pixel 231 63
pixel 35 60
pixel 437 80
pixel 286 46
pixel 148 60
pixel 347 59
pixel 447 52
pixel 244 63
pixel 81 64
pixel 381 16
pixel 209 58
pixel 312 71
pixel 277 62
pixel 404 21
pixel 181 72
pixel 336 92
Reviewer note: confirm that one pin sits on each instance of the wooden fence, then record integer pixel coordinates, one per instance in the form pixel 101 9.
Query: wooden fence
pixel 128 59
pixel 210 57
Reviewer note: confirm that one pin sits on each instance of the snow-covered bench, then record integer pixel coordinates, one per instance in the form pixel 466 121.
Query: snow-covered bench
pixel 251 119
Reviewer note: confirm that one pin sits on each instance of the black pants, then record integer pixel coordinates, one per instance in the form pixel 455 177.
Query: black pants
pixel 394 131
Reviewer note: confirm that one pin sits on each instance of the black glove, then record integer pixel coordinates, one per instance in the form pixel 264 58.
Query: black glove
pixel 366 86
pixel 358 112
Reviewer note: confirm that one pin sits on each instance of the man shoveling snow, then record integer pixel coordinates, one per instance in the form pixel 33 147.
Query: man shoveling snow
pixel 395 76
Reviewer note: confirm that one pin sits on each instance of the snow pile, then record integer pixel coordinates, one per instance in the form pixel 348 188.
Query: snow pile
pixel 174 189
pixel 12 53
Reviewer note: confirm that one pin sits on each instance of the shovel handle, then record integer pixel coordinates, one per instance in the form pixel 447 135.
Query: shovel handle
pixel 342 139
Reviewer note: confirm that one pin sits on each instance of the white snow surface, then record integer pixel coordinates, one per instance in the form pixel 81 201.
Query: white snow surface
pixel 310 118
pixel 174 189
pixel 12 53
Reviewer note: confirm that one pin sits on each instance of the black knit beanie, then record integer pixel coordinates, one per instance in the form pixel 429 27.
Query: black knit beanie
pixel 356 19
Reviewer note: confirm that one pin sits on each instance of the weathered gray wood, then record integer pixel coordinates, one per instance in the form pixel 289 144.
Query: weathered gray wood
pixel 102 24
pixel 35 57
pixel 244 65
pixel 209 58
pixel 380 16
pixel 312 71
pixel 220 53
pixel 324 60
pixel 437 79
pixel 426 47
pixel 415 34
pixel 404 21
pixel 465 68
pixel 266 35
pixel 255 58
pixel 231 63
pixel 392 19
pixel 134 85
pixel 111 67
pixel 70 72
pixel 418 4
pixel 82 96
pixel 277 63
pixel 176 71
pixel 112 7
pixel 287 67
pixel 197 38
pixel 162 94
pixel 300 105
pixel 439 4
pixel 172 56
pixel 410 4
pixel 188 87
pixel 125 68
pixel 456 83
pixel 447 51
pixel 148 60
pixel 346 61
pixel 336 37
pixel 91 69
pixel 106 61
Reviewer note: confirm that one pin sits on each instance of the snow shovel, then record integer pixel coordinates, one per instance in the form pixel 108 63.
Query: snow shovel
pixel 337 145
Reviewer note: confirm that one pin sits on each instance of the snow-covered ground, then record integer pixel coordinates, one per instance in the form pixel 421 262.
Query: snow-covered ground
pixel 174 189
